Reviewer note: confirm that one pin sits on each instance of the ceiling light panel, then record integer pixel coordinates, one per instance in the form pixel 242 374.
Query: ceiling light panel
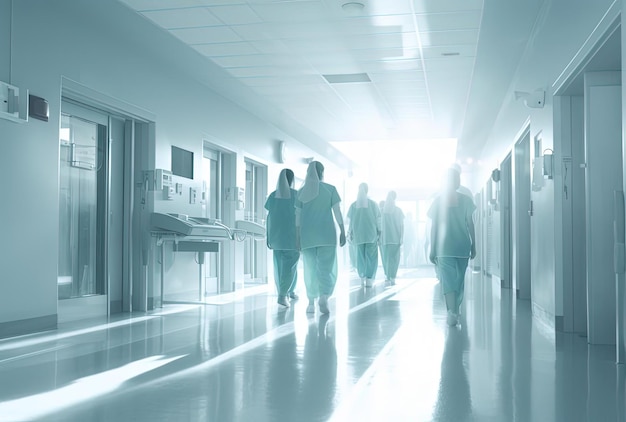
pixel 347 78
pixel 183 18
pixel 212 34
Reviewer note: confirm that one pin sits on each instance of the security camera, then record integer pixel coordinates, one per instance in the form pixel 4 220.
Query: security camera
pixel 534 99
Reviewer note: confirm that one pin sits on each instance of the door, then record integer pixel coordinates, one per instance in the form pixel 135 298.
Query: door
pixel 521 183
pixel 211 188
pixel 506 275
pixel 91 266
pixel 255 250
pixel 603 176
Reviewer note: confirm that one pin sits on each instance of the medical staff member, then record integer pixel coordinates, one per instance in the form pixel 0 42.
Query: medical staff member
pixel 391 237
pixel 316 205
pixel 364 231
pixel 281 236
pixel 452 241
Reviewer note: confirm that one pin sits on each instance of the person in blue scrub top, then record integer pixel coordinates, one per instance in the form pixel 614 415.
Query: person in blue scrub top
pixel 281 236
pixel 391 237
pixel 452 241
pixel 316 205
pixel 364 232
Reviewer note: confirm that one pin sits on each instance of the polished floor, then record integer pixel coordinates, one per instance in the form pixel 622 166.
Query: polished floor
pixel 383 354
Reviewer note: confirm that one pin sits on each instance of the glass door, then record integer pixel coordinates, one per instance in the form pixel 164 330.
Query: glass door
pixel 255 249
pixel 82 208
pixel 211 188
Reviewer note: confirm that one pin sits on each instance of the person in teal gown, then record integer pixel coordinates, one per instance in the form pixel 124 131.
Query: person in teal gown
pixel 281 236
pixel 392 235
pixel 316 205
pixel 364 232
pixel 452 240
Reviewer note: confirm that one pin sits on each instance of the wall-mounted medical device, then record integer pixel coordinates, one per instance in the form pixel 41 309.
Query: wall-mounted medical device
pixel 163 182
pixel 237 195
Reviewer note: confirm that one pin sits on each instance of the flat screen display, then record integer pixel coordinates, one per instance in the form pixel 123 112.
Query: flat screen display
pixel 182 162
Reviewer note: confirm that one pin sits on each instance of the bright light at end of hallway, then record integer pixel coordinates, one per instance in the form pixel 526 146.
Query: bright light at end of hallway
pixel 415 163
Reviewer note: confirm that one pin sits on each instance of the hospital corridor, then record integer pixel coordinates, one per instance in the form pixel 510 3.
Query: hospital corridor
pixel 312 210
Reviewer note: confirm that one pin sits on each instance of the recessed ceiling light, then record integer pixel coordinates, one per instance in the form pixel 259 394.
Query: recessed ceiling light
pixel 346 78
pixel 353 8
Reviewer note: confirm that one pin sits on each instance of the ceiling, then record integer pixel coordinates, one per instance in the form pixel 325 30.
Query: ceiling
pixel 391 70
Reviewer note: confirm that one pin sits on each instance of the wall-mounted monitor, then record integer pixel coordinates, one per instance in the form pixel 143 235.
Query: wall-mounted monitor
pixel 182 162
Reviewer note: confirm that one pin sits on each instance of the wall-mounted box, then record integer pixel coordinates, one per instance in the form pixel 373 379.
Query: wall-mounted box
pixel 13 106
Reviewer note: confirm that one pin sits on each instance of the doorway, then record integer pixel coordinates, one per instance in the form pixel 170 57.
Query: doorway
pixel 521 186
pixel 94 213
pixel 255 250
pixel 588 127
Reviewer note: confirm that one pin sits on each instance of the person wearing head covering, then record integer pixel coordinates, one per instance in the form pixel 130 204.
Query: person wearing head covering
pixel 452 241
pixel 281 236
pixel 364 231
pixel 316 205
pixel 391 238
pixel 462 189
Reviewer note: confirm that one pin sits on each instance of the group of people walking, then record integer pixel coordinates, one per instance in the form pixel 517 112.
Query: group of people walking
pixel 375 228
pixel 304 223
pixel 311 214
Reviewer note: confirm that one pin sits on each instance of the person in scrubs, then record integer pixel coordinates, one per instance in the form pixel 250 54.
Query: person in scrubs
pixel 452 241
pixel 392 235
pixel 281 236
pixel 316 205
pixel 364 232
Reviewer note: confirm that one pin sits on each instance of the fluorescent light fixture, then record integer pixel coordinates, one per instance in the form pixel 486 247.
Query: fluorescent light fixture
pixel 346 78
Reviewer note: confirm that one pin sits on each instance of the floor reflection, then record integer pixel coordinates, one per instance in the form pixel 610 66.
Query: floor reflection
pixel 454 399
pixel 383 353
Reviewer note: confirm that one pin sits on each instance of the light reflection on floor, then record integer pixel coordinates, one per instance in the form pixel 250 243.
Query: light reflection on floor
pixel 384 353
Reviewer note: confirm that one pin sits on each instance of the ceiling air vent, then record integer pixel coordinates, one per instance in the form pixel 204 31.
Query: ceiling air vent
pixel 347 78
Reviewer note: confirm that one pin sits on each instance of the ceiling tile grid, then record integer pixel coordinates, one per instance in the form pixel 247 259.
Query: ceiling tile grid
pixel 282 49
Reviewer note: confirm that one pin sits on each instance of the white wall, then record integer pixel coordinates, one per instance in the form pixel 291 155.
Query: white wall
pixel 561 29
pixel 109 49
